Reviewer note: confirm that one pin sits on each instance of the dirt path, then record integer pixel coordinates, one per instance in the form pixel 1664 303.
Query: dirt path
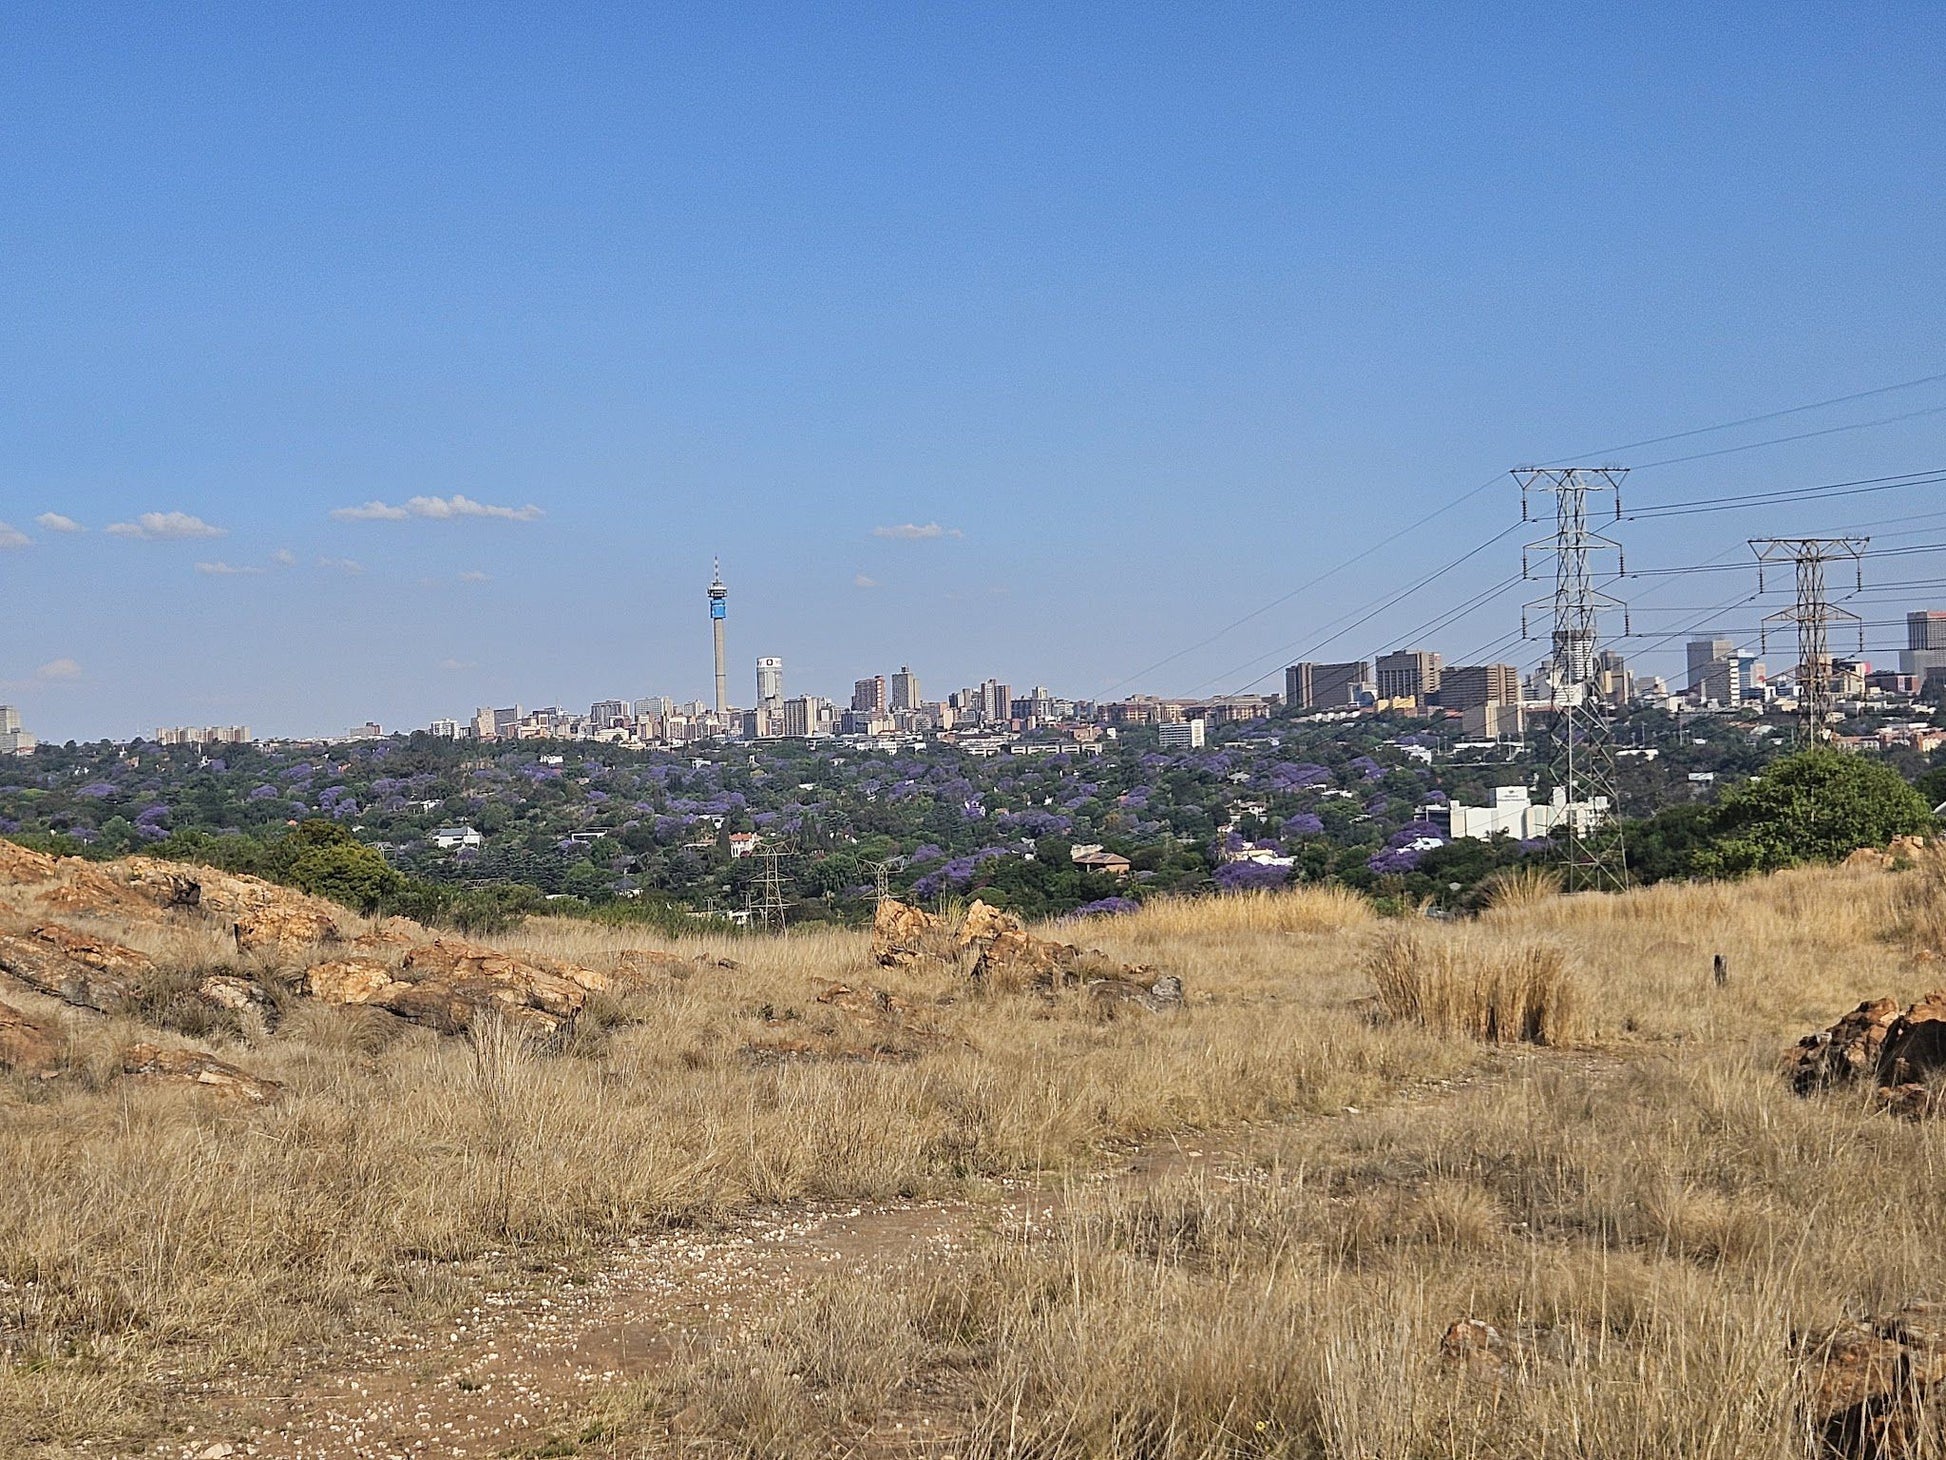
pixel 527 1361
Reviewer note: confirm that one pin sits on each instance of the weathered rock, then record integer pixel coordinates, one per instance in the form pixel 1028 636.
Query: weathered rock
pixel 283 926
pixel 457 958
pixel 872 1003
pixel 984 922
pixel 392 933
pixel 1161 997
pixel 1871 1385
pixel 903 935
pixel 1475 1344
pixel 1846 1053
pixel 91 973
pixel 27 1046
pixel 1901 1052
pixel 236 995
pixel 20 866
pixel 349 981
pixel 1010 960
pixel 193 1067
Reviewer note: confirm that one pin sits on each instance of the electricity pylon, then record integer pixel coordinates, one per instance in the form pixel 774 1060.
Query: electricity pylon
pixel 1813 613
pixel 1580 745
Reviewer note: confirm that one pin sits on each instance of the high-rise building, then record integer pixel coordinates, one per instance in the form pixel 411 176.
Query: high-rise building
pixel 868 695
pixel 608 714
pixel 996 702
pixel 905 690
pixel 1184 735
pixel 1925 651
pixel 719 611
pixel 13 739
pixel 1309 686
pixel 1467 686
pixel 1408 674
pixel 770 681
pixel 1714 671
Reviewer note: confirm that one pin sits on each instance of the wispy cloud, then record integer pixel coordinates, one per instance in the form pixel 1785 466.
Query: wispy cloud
pixel 435 509
pixel 455 664
pixel 861 581
pixel 58 671
pixel 284 558
pixel 164 527
pixel 916 532
pixel 56 522
pixel 13 537
pixel 226 570
pixel 349 566
pixel 474 575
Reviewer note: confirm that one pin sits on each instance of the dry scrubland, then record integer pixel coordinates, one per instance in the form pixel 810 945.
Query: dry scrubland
pixel 1642 1207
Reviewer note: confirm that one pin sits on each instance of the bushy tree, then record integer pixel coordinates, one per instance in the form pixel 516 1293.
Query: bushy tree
pixel 1816 806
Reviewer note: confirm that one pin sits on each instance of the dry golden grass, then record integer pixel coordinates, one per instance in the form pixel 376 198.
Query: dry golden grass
pixel 1650 1216
pixel 1477 986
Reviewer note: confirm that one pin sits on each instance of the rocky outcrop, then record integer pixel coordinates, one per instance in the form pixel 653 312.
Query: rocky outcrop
pixel 1009 959
pixel 447 984
pixel 903 935
pixel 1475 1345
pixel 27 1046
pixel 1899 1053
pixel 635 964
pixel 1872 1385
pixel 192 1067
pixel 349 981
pixel 88 972
pixel 280 925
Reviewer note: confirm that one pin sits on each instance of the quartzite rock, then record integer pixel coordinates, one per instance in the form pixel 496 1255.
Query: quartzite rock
pixel 1901 1052
pixel 193 1067
pixel 91 973
pixel 27 1046
pixel 349 981
pixel 903 935
pixel 1010 959
pixel 283 926
pixel 1871 1385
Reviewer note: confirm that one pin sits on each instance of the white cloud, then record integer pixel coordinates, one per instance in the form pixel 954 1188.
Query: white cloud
pixel 225 570
pixel 342 565
pixel 457 664
pixel 861 581
pixel 56 522
pixel 916 532
pixel 435 509
pixel 58 671
pixel 13 537
pixel 474 575
pixel 284 558
pixel 164 527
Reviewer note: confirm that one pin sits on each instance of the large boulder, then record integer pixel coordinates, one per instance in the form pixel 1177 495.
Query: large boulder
pixel 447 984
pixel 27 1046
pixel 349 981
pixel 1009 959
pixel 89 972
pixel 192 1067
pixel 1872 1383
pixel 281 925
pixel 903 935
pixel 1901 1053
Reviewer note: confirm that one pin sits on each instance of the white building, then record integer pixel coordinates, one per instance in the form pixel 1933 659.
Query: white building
pixel 1184 735
pixel 1513 812
pixel 446 838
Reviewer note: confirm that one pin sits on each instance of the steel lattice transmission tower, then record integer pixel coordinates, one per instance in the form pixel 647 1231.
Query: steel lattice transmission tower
pixel 767 907
pixel 1814 613
pixel 1580 745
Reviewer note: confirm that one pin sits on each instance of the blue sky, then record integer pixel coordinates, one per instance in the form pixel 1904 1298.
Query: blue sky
pixel 1155 312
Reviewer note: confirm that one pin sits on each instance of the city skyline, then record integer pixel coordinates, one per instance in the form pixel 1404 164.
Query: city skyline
pixel 438 357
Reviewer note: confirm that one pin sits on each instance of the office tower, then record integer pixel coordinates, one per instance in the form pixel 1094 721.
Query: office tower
pixel 996 702
pixel 1309 686
pixel 1468 686
pixel 1715 671
pixel 1408 674
pixel 905 690
pixel 868 695
pixel 770 681
pixel 1925 651
pixel 719 611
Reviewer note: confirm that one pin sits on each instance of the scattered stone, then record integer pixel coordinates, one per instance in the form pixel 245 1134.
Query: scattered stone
pixel 283 926
pixel 1474 1344
pixel 27 1046
pixel 392 933
pixel 237 996
pixel 903 935
pixel 193 1067
pixel 1161 997
pixel 1900 1052
pixel 1871 1385
pixel 90 973
pixel 1010 960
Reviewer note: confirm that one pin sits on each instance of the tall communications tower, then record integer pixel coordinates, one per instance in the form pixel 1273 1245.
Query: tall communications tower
pixel 719 610
pixel 1814 613
pixel 1582 749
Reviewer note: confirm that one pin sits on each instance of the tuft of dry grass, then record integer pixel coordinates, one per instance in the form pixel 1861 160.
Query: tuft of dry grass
pixel 1515 889
pixel 1460 982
